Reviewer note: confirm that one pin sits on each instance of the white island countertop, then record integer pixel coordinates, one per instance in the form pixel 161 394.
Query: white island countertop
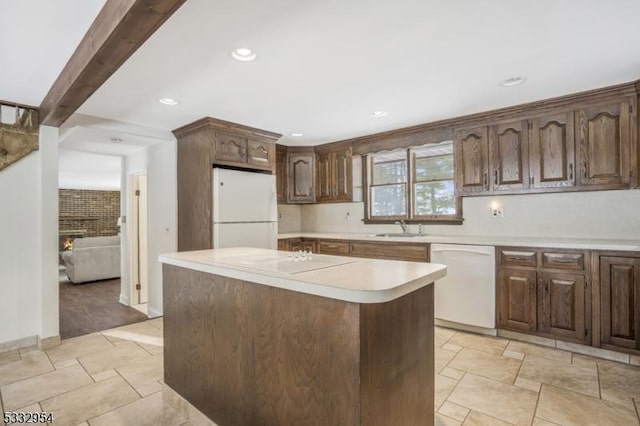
pixel 523 241
pixel 344 278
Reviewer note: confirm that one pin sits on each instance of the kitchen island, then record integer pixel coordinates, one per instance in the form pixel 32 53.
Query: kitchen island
pixel 261 337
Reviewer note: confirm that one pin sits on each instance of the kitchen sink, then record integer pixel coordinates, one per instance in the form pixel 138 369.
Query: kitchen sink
pixel 399 234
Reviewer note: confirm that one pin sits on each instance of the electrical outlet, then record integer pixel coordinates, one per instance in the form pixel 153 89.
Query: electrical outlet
pixel 347 217
pixel 497 212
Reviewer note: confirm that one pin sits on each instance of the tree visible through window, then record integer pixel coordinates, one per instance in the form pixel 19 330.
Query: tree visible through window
pixel 416 183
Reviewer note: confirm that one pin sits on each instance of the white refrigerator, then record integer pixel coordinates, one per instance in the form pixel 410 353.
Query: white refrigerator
pixel 245 209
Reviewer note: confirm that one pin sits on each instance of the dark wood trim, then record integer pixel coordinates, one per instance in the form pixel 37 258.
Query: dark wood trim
pixel 120 28
pixel 210 122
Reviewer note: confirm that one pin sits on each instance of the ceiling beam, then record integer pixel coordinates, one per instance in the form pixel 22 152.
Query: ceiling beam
pixel 121 27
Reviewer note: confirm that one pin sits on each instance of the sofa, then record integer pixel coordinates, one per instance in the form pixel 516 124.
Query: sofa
pixel 92 259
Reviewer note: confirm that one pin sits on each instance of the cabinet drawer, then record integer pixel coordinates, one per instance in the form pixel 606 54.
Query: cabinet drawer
pixel 333 247
pixel 559 260
pixel 393 251
pixel 514 257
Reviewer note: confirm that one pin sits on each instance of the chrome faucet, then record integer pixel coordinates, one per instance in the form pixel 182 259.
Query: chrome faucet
pixel 402 225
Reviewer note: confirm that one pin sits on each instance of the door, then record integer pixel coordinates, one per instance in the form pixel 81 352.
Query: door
pixel 561 306
pixel 240 196
pixel 471 160
pixel 517 299
pixel 509 156
pixel 258 235
pixel 552 151
pixel 605 144
pixel 137 235
pixel 620 301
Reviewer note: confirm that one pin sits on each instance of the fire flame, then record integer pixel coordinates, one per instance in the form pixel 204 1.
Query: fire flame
pixel 68 244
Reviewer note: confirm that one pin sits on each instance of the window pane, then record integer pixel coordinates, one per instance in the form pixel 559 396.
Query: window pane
pixel 434 168
pixel 388 200
pixel 435 198
pixel 389 172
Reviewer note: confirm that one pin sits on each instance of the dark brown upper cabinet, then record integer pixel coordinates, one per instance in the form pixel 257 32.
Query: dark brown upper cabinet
pixel 261 153
pixel 281 173
pixel 509 156
pixel 301 179
pixel 240 151
pixel 334 176
pixel 606 156
pixel 552 151
pixel 471 158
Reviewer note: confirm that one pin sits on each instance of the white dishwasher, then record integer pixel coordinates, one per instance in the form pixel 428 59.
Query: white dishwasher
pixel 467 294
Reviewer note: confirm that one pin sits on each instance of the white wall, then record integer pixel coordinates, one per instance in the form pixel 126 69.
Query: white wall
pixel 289 218
pixel 163 213
pixel 596 214
pixel 159 163
pixel 29 251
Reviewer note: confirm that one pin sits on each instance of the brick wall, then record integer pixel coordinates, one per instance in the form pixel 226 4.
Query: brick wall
pixel 96 212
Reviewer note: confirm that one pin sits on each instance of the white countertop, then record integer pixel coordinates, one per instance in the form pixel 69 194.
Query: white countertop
pixel 344 278
pixel 568 243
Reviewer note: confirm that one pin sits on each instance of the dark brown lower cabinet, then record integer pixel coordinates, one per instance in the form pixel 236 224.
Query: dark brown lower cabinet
pixel 548 295
pixel 517 300
pixel 620 301
pixel 561 311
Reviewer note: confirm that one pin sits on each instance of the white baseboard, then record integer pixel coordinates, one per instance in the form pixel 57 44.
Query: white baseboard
pixel 18 343
pixel 153 313
pixel 466 327
pixel 48 342
pixel 124 299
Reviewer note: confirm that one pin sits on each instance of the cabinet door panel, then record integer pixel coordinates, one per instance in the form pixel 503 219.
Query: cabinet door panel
pixel 509 156
pixel 231 148
pixel 605 144
pixel 281 173
pixel 553 151
pixel 340 248
pixel 471 160
pixel 620 301
pixel 517 300
pixel 343 175
pixel 324 179
pixel 260 153
pixel 562 308
pixel 301 178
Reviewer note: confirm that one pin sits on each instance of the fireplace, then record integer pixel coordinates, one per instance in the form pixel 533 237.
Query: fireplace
pixel 65 238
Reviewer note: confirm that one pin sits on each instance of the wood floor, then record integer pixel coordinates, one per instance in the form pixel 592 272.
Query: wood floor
pixel 90 307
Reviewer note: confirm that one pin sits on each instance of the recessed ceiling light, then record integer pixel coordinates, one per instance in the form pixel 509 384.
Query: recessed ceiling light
pixel 296 134
pixel 168 101
pixel 513 81
pixel 379 113
pixel 243 54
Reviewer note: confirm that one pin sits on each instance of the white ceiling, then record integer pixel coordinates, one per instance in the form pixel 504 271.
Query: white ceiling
pixel 323 67
pixel 85 170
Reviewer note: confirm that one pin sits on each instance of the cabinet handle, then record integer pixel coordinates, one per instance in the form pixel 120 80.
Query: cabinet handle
pixel 484 179
pixel 584 166
pixel 495 177
pixel 570 171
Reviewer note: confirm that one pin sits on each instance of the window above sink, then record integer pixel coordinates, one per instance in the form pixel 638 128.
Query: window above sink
pixel 414 184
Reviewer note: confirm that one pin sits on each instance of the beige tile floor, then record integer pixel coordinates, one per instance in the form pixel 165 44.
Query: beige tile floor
pixel 115 378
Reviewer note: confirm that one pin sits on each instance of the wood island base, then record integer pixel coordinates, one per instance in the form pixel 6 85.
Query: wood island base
pixel 249 354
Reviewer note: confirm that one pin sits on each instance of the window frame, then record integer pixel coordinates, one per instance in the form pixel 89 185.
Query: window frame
pixel 410 216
